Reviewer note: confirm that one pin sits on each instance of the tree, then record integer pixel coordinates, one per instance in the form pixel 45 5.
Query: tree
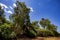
pixel 21 19
pixel 2 18
pixel 52 27
pixel 45 23
pixel 36 26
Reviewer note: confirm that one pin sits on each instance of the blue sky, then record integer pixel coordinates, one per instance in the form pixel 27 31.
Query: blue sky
pixel 39 9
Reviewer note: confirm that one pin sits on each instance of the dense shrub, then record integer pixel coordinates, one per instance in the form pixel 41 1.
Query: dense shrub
pixel 56 34
pixel 31 33
pixel 45 33
pixel 6 32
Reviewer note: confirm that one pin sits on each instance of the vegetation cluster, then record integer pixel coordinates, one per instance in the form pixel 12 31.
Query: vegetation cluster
pixel 19 24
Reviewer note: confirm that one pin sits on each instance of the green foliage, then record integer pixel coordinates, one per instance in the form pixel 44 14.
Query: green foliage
pixel 52 27
pixel 20 24
pixel 44 23
pixel 45 33
pixel 20 18
pixel 56 34
pixel 2 18
pixel 31 33
pixel 6 32
pixel 49 27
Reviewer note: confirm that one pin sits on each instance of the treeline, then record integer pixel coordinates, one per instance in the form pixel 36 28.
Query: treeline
pixel 19 24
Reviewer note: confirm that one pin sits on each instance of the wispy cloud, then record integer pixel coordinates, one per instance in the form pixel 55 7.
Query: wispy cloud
pixel 6 7
pixel 10 7
pixel 14 5
pixel 31 9
pixel 10 12
pixel 3 5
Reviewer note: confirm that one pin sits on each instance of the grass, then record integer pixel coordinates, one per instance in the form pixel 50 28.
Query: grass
pixel 41 38
pixel 52 38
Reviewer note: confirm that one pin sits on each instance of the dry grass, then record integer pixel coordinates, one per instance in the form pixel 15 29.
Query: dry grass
pixel 52 38
pixel 41 38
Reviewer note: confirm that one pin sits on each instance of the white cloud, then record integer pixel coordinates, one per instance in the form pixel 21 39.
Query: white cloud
pixel 10 12
pixel 3 5
pixel 14 5
pixel 31 9
pixel 11 7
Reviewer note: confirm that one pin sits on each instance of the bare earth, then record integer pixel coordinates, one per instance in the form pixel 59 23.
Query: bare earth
pixel 41 38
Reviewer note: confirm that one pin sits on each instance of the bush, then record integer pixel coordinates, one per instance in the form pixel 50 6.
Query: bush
pixel 6 32
pixel 31 34
pixel 56 34
pixel 45 33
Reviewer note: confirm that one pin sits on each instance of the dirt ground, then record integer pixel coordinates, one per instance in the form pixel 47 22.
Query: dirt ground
pixel 52 38
pixel 41 38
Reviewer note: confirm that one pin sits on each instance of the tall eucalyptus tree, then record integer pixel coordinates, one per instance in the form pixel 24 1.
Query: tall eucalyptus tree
pixel 21 18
